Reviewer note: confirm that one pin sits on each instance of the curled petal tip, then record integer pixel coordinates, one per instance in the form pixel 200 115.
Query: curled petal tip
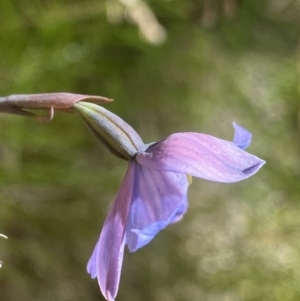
pixel 242 137
pixel 92 264
pixel 248 172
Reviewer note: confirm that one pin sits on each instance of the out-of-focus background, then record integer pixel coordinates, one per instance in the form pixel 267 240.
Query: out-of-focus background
pixel 170 66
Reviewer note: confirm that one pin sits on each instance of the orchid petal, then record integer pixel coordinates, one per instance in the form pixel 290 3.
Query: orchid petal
pixel 201 156
pixel 242 137
pixel 92 264
pixel 107 258
pixel 159 197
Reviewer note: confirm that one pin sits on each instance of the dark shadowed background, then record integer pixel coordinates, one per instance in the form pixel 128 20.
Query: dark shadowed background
pixel 170 66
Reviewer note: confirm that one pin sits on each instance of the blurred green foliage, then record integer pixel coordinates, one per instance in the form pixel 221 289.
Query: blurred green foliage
pixel 170 66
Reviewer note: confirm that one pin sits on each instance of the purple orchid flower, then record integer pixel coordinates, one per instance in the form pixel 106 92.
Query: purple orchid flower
pixel 153 193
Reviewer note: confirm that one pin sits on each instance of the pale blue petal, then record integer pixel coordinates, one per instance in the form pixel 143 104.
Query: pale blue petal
pixel 242 137
pixel 158 200
pixel 140 238
pixel 92 264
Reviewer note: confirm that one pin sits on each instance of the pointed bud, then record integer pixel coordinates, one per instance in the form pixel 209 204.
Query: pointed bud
pixel 117 135
pixel 18 104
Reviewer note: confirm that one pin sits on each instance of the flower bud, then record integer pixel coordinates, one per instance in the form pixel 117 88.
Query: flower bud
pixel 23 104
pixel 117 135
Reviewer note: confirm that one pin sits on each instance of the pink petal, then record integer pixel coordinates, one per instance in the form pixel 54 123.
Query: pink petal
pixel 201 156
pixel 107 258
